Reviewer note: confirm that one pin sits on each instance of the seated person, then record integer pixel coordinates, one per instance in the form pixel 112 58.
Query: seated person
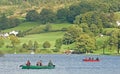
pixel 39 63
pixel 28 63
pixel 97 58
pixel 50 63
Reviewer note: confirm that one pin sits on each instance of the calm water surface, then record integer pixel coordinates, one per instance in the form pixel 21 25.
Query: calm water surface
pixel 65 64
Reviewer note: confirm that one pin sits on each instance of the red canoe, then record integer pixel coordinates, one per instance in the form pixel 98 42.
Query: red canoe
pixel 87 60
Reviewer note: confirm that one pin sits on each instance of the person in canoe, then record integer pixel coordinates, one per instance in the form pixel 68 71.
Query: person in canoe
pixel 28 63
pixel 50 63
pixel 97 59
pixel 39 63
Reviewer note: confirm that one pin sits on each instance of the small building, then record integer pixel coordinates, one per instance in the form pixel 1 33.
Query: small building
pixel 118 23
pixel 13 32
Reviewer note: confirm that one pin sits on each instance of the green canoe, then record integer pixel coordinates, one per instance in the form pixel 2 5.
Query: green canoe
pixel 37 67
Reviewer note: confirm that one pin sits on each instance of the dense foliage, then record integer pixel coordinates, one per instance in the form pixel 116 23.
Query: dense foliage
pixel 100 13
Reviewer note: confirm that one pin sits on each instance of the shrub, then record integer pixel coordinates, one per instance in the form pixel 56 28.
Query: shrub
pixel 46 44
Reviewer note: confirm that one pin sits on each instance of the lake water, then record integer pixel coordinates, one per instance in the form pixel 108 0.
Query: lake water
pixel 65 64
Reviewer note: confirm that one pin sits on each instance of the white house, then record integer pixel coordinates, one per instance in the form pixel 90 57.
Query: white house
pixel 6 35
pixel 13 32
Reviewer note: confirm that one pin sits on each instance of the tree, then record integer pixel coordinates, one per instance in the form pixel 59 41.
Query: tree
pixel 104 45
pixel 47 16
pixel 94 29
pixel 14 41
pixel 60 16
pixel 85 6
pixel 4 22
pixel 1 42
pixel 58 44
pixel 32 15
pixel 74 10
pixel 25 46
pixel 30 45
pixel 46 44
pixel 47 27
pixel 35 45
pixel 114 39
pixel 85 43
pixel 85 27
pixel 13 22
pixel 72 33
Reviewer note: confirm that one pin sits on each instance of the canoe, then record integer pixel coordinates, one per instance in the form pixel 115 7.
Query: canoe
pixel 86 60
pixel 37 67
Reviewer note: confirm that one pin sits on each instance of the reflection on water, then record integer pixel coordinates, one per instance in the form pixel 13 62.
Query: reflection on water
pixel 65 64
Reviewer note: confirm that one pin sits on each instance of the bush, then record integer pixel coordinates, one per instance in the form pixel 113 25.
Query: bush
pixel 46 44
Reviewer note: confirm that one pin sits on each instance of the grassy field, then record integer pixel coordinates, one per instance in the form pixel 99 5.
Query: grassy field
pixel 49 36
pixel 23 27
pixel 34 25
pixel 40 38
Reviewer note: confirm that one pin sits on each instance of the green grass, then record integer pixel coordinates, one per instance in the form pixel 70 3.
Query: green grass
pixel 23 27
pixel 54 27
pixel 60 26
pixel 51 36
pixel 40 38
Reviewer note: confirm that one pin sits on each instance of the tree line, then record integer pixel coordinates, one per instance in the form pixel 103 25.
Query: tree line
pixel 6 23
pixel 33 2
pixel 94 11
pixel 100 13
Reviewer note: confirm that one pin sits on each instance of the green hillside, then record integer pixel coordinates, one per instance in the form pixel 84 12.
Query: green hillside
pixel 52 26
pixel 23 27
pixel 40 38
pixel 19 8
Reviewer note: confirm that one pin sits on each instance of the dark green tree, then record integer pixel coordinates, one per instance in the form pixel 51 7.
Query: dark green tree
pixel 47 16
pixel 13 22
pixel 74 10
pixel 86 6
pixel 62 14
pixel 4 22
pixel 32 15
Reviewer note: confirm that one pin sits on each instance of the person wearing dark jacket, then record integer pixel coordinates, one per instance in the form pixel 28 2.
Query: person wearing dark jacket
pixel 28 63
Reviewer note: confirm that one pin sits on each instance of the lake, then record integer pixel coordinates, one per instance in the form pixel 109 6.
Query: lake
pixel 65 64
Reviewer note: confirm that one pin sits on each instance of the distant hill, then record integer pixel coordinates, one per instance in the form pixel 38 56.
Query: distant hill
pixel 18 8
